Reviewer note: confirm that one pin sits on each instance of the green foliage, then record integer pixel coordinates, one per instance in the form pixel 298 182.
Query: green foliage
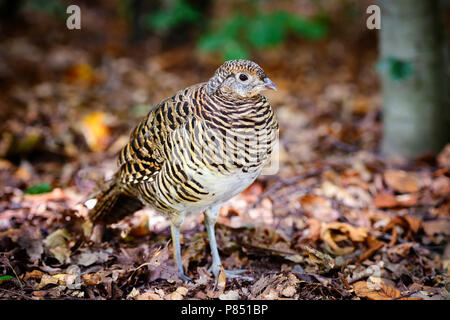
pixel 225 39
pixel 235 36
pixel 52 7
pixel 6 277
pixel 39 188
pixel 180 12
pixel 396 69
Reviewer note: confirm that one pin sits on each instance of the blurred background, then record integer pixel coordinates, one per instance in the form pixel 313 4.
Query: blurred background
pixel 70 97
pixel 362 112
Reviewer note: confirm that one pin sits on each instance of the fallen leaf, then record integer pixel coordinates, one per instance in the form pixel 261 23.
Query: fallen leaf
pixel 148 296
pixel 318 207
pixel 401 250
pixel 221 279
pixel 252 193
pixel 81 73
pixel 378 291
pixel 402 181
pixel 88 258
pixel 230 295
pixel 386 200
pixel 31 240
pixel 443 158
pixel 414 223
pixel 57 238
pixel 337 231
pixel 314 229
pixel 133 294
pixel 371 251
pixel 441 186
pixel 92 279
pixel 39 188
pixel 35 274
pixel 95 130
pixel 289 291
pixel 196 249
pixel 440 226
pixel 178 294
pixel 56 244
pixel 6 277
pixel 46 280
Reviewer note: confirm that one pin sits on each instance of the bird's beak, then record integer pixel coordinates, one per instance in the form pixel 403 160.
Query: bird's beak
pixel 269 84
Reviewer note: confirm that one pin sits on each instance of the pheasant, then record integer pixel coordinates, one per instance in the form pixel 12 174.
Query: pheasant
pixel 193 152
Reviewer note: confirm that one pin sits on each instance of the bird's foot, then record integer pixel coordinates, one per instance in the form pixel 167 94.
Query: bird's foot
pixel 229 274
pixel 184 277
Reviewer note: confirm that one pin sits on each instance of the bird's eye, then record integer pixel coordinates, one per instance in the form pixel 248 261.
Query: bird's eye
pixel 243 77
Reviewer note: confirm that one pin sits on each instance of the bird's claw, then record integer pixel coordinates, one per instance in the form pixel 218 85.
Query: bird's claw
pixel 229 274
pixel 184 277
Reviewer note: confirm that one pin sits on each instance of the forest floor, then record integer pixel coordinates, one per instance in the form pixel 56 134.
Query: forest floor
pixel 337 221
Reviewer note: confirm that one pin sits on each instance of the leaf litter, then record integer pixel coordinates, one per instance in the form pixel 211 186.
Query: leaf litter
pixel 336 222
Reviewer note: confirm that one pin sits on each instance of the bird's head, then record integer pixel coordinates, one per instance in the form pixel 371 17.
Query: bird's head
pixel 239 79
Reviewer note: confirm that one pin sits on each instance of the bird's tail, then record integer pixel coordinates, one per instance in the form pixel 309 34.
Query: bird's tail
pixel 110 203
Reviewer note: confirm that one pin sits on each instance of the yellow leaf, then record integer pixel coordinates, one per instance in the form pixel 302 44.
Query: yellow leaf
pixel 81 73
pixel 329 234
pixel 95 130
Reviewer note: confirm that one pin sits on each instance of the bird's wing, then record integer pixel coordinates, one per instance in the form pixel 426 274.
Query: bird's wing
pixel 144 155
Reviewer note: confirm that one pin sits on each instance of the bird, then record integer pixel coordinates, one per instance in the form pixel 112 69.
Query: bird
pixel 193 152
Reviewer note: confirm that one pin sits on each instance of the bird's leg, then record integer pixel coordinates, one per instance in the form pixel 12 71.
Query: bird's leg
pixel 210 220
pixel 175 230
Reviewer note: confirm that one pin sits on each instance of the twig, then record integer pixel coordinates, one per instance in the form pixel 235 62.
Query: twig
pixel 16 293
pixel 405 295
pixel 342 145
pixel 285 183
pixel 6 260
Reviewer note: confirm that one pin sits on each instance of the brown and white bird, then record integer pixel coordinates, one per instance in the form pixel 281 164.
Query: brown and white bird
pixel 193 152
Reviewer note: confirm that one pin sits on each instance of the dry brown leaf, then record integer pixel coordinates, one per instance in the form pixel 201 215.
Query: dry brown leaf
pixel 46 280
pixel 89 257
pixel 252 193
pixel 402 181
pixel 376 245
pixel 386 200
pixel 378 291
pixel 347 231
pixel 440 226
pixel 81 73
pixel 30 239
pixel 357 234
pixel 441 186
pixel 56 244
pixel 414 223
pixel 401 249
pixel 195 251
pixel 178 294
pixel 148 296
pixel 92 279
pixel 314 229
pixel 375 291
pixel 35 274
pixel 221 279
pixel 443 158
pixel 318 207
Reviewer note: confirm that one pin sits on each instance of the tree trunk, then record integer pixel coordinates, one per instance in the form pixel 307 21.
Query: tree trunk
pixel 416 116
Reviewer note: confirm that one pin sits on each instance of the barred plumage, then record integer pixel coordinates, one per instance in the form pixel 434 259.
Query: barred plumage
pixel 194 151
